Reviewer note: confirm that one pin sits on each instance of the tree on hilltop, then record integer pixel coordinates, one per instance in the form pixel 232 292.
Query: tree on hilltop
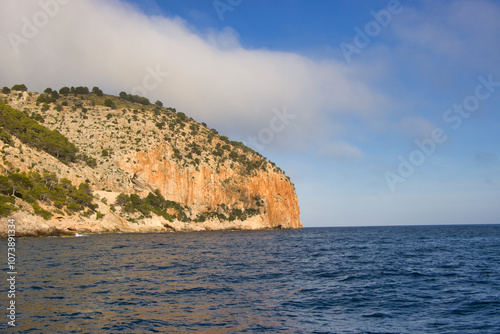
pixel 82 90
pixel 64 91
pixel 20 88
pixel 97 91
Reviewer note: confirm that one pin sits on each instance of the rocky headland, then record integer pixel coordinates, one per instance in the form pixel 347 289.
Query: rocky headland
pixel 79 161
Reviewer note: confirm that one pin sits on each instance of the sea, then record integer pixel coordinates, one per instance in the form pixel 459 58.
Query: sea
pixel 399 279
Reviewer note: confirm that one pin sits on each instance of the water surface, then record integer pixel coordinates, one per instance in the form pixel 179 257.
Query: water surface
pixel 417 279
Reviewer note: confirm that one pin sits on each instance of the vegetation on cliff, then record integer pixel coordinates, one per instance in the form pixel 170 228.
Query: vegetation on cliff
pixel 144 160
pixel 17 123
pixel 46 190
pixel 154 202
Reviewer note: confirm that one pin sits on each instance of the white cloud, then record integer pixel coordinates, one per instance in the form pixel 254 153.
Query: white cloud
pixel 211 77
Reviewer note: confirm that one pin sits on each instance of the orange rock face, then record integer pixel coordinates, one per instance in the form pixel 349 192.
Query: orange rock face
pixel 137 149
pixel 206 188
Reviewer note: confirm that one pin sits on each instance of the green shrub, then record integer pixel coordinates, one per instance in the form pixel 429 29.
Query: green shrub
pixel 37 117
pixel 154 202
pixel 97 91
pixel 194 128
pixel 177 154
pixel 64 91
pixel 20 88
pixel 134 98
pixel 6 209
pixel 74 207
pixel 181 116
pixel 34 187
pixel 5 185
pixel 234 155
pixel 6 138
pixel 44 98
pixel 88 213
pixel 58 204
pixel 35 135
pixel 109 103
pixel 218 152
pixel 6 205
pixel 201 218
pixel 80 90
pixel 41 212
pixel 91 162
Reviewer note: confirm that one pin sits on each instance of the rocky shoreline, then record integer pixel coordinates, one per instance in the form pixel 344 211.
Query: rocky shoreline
pixel 33 226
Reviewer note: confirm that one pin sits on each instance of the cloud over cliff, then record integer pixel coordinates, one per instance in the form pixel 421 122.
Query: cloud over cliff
pixel 206 74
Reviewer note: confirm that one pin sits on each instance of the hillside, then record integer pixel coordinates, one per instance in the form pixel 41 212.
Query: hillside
pixel 79 161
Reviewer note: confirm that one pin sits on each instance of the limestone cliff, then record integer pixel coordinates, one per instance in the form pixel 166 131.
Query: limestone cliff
pixel 201 180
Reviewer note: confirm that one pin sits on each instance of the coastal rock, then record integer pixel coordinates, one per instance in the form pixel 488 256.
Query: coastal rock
pixel 218 184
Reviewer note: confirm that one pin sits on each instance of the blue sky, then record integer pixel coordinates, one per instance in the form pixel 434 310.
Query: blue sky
pixel 355 118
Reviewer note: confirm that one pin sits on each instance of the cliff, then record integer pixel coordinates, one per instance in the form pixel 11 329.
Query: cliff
pixel 134 167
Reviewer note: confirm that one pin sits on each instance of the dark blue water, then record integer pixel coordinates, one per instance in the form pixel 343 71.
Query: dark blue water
pixel 438 279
